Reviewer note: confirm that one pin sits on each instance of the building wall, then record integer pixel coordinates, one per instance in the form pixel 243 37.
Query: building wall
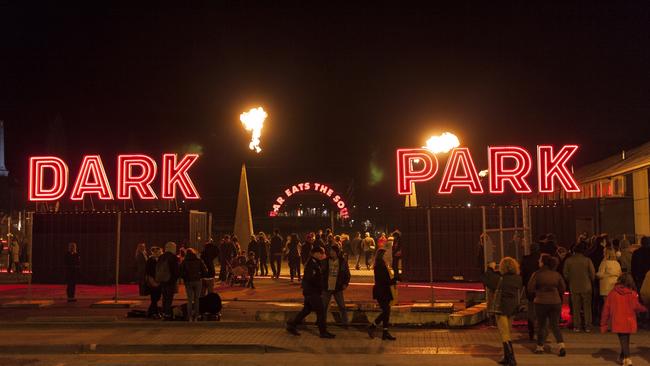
pixel 641 187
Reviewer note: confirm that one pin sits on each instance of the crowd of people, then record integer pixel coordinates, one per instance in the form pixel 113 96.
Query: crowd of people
pixel 320 263
pixel 604 278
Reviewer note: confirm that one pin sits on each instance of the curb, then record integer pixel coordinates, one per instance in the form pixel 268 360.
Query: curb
pixel 142 349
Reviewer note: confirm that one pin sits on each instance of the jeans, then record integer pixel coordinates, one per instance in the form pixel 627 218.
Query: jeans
pixel 624 339
pixel 548 313
pixel 368 255
pixel 276 264
pixel 294 267
pixel 264 268
pixel 312 303
pixel 340 301
pixel 167 291
pixel 581 301
pixel 223 270
pixel 504 324
pixel 155 297
pixel 384 317
pixel 71 288
pixel 193 290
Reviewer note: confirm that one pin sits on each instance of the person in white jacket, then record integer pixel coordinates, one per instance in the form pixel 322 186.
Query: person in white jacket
pixel 608 272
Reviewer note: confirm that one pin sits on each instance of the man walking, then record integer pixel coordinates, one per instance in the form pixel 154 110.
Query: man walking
pixel 355 246
pixel 276 253
pixel 335 280
pixel 312 288
pixel 368 246
pixel 579 271
pixel 167 273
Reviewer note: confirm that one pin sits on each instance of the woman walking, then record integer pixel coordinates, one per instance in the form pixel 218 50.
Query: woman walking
pixel 263 253
pixel 506 304
pixel 192 271
pixel 619 313
pixel 548 287
pixel 382 292
pixel 609 272
pixel 72 262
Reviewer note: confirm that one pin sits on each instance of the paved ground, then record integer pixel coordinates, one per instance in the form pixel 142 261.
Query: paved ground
pixel 219 343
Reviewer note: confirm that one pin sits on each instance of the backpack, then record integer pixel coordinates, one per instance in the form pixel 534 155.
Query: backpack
pixel 162 271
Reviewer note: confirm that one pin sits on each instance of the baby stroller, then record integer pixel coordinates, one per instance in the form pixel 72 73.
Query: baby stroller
pixel 238 272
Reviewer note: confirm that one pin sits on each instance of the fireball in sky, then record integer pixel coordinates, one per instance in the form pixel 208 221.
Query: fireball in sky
pixel 443 143
pixel 253 121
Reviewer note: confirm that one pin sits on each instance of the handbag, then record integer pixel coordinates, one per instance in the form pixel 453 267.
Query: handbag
pixel 495 304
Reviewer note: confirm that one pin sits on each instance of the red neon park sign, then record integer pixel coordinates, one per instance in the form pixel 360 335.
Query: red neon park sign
pixel 135 174
pixel 507 166
pixel 337 199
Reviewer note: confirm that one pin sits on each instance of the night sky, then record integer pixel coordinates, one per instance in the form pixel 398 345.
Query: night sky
pixel 343 85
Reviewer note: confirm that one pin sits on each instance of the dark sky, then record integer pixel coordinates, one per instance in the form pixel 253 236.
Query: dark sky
pixel 344 85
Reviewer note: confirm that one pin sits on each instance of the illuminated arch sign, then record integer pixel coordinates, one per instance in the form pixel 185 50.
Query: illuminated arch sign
pixel 507 166
pixel 336 198
pixel 135 175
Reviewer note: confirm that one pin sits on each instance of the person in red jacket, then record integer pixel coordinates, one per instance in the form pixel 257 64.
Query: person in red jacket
pixel 619 312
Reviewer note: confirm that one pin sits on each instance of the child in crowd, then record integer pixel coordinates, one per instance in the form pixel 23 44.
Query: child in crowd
pixel 251 264
pixel 619 312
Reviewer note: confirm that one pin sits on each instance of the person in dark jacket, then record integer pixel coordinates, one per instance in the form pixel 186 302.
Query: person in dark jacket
pixel 140 267
pixel 154 287
pixel 381 291
pixel 548 286
pixel 397 252
pixel 305 249
pixel 276 250
pixel 355 245
pixel 293 256
pixel 641 261
pixel 312 288
pixel 72 262
pixel 226 255
pixel 529 265
pixel 506 305
pixel 262 254
pixel 192 270
pixel 168 286
pixel 580 273
pixel 318 240
pixel 209 254
pixel 336 278
pixel 490 279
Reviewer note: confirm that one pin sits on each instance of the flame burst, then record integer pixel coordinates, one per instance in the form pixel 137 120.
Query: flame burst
pixel 253 121
pixel 443 143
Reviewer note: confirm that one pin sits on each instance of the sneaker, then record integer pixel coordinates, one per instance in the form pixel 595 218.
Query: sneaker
pixel 562 352
pixel 539 350
pixel 587 330
pixel 387 336
pixel 327 335
pixel 576 330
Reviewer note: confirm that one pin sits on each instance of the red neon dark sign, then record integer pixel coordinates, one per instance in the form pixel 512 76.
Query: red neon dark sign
pixel 507 166
pixel 92 179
